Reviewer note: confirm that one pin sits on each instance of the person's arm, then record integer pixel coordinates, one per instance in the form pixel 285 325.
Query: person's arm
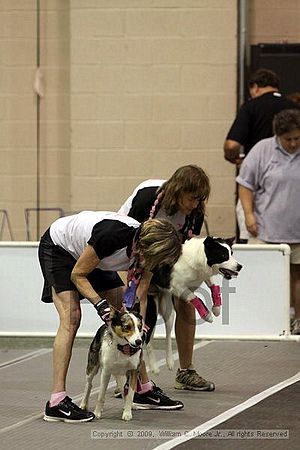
pixel 142 291
pixel 238 135
pixel 247 199
pixel 232 151
pixel 87 262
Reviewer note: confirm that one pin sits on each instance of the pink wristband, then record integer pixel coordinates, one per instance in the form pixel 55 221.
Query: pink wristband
pixel 202 310
pixel 216 295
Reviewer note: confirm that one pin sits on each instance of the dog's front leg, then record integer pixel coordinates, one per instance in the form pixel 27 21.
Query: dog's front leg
pixel 187 295
pixel 88 386
pixel 121 380
pixel 216 295
pixel 104 380
pixel 128 395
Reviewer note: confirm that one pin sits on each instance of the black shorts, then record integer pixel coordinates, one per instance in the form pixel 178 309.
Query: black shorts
pixel 57 265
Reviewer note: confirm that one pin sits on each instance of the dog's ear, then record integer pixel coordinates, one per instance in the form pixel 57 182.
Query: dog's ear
pixel 209 241
pixel 230 241
pixel 113 312
pixel 137 314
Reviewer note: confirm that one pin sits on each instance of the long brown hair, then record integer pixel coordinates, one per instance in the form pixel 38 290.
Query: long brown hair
pixel 186 179
pixel 159 243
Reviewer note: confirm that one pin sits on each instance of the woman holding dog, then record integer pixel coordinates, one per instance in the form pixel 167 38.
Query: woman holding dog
pixel 79 256
pixel 269 189
pixel 181 199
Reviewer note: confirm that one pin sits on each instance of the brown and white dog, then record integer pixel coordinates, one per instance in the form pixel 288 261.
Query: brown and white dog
pixel 116 350
pixel 201 259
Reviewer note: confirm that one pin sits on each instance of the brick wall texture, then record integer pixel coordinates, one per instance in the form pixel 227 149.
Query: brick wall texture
pixel 132 89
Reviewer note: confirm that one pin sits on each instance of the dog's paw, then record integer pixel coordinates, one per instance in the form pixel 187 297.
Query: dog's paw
pixel 154 368
pixel 170 363
pixel 216 310
pixel 98 413
pixel 127 415
pixel 208 318
pixel 151 360
pixel 83 405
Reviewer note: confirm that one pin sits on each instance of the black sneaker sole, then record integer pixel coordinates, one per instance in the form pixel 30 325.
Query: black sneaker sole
pixel 118 394
pixel 187 387
pixel 157 407
pixel 63 419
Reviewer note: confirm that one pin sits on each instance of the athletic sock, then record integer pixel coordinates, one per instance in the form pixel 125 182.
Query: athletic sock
pixel 145 387
pixel 56 398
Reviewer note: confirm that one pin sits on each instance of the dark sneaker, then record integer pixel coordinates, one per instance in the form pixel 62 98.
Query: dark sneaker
pixel 67 411
pixel 117 393
pixel 190 380
pixel 155 399
pixel 296 326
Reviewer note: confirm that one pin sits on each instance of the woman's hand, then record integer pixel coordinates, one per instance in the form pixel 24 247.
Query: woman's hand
pixel 251 223
pixel 247 199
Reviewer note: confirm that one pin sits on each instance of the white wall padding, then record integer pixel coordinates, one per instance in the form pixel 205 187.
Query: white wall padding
pixel 255 305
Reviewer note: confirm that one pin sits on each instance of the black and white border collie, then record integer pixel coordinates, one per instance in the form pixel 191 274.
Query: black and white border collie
pixel 200 261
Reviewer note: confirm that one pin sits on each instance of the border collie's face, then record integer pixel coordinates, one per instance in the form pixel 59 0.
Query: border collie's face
pixel 219 256
pixel 127 326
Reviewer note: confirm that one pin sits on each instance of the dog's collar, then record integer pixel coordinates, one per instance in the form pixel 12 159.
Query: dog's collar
pixel 127 349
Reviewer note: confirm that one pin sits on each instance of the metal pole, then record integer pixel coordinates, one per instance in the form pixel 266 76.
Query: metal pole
pixel 242 7
pixel 242 48
pixel 38 125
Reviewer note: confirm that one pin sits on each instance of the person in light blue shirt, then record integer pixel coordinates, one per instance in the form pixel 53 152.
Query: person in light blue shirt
pixel 269 190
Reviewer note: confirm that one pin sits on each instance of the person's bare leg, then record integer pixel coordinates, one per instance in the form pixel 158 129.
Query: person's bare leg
pixel 60 406
pixel 185 328
pixel 68 308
